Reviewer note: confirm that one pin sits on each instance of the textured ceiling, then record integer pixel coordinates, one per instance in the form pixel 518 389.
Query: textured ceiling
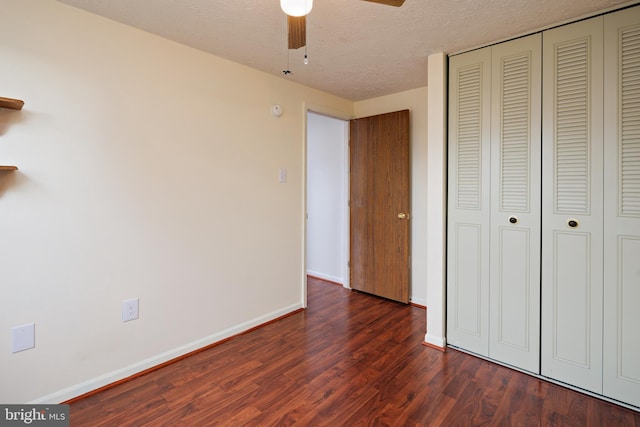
pixel 357 50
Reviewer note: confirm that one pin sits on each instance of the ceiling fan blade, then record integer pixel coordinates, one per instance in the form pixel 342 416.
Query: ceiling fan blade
pixel 297 26
pixel 396 3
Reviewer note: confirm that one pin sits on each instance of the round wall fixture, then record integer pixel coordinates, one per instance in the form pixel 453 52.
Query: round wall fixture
pixel 276 110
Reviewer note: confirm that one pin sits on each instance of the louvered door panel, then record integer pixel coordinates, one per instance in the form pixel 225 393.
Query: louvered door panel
pixel 572 127
pixel 629 121
pixel 515 203
pixel 469 138
pixel 572 217
pixel 468 209
pixel 621 379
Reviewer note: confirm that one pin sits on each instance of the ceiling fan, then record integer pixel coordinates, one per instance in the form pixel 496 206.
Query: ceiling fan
pixel 297 23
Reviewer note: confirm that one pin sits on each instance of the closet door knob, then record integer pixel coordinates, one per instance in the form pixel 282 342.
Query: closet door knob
pixel 513 219
pixel 572 223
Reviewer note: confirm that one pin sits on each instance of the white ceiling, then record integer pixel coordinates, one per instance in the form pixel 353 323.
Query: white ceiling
pixel 357 49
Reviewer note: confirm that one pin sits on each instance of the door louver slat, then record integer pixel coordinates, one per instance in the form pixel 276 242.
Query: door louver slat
pixel 514 180
pixel 469 138
pixel 629 149
pixel 572 128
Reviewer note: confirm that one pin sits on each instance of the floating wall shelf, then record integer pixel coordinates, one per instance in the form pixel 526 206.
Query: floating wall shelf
pixel 8 168
pixel 14 104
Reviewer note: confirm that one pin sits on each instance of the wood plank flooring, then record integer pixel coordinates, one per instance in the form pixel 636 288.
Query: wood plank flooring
pixel 350 359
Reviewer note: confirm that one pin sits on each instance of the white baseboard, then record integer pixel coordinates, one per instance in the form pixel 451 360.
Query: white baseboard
pixel 328 277
pixel 437 341
pixel 117 375
pixel 419 301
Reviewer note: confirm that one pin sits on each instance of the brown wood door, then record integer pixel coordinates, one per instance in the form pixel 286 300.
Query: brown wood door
pixel 379 197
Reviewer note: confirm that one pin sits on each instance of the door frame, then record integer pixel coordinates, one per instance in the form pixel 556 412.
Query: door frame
pixel 316 109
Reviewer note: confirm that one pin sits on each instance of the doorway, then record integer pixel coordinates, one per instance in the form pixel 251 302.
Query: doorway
pixel 327 211
pixel 374 172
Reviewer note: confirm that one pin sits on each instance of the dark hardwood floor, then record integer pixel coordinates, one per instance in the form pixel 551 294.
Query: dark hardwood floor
pixel 350 359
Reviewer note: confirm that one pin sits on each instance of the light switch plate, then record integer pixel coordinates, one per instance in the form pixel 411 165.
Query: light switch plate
pixel 23 337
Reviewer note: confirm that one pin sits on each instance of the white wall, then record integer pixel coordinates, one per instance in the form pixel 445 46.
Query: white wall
pixel 416 101
pixel 147 169
pixel 327 180
pixel 437 190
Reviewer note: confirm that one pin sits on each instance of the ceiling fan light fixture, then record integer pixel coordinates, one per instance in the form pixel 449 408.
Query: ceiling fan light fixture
pixel 296 7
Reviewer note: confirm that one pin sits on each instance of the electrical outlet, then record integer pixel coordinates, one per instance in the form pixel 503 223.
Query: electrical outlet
pixel 23 337
pixel 130 309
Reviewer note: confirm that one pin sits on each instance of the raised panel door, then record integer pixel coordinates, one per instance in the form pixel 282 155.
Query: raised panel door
pixel 621 373
pixel 572 218
pixel 469 201
pixel 515 203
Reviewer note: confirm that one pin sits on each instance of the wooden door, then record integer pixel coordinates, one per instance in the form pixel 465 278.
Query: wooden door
pixel 380 205
pixel 514 271
pixel 469 206
pixel 621 373
pixel 572 204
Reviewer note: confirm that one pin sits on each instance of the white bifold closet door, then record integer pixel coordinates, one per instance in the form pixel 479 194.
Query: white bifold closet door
pixel 543 255
pixel 514 291
pixel 572 204
pixel 494 202
pixel 621 374
pixel 469 201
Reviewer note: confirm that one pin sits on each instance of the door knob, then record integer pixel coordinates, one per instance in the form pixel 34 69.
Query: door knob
pixel 513 219
pixel 572 223
pixel 403 215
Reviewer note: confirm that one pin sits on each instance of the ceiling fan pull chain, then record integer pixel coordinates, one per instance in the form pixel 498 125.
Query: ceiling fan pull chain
pixel 288 70
pixel 305 61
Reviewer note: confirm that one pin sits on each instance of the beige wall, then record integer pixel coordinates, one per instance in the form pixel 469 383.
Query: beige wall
pixel 147 169
pixel 416 101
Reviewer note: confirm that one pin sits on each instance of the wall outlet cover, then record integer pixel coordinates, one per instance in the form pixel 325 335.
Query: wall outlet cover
pixel 130 309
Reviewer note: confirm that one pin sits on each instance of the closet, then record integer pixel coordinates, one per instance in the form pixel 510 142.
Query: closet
pixel 543 253
pixel 493 295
